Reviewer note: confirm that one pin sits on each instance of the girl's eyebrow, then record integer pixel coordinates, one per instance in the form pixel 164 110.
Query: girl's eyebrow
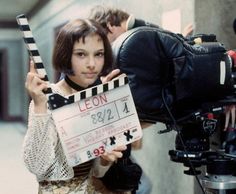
pixel 83 50
pixel 78 49
pixel 101 49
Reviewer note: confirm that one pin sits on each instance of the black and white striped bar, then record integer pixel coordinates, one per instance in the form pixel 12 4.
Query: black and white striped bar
pixel 56 101
pixel 32 48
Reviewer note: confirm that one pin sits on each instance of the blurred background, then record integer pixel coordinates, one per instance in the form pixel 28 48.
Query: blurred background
pixel 45 18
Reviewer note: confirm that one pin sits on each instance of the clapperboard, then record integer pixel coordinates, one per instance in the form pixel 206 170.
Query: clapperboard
pixel 91 121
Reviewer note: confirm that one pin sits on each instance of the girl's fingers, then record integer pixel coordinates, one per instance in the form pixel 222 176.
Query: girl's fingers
pixel 120 148
pixel 33 76
pixel 110 76
pixel 38 82
pixel 34 84
pixel 29 78
pixel 111 157
pixel 115 154
pixel 32 67
pixel 33 70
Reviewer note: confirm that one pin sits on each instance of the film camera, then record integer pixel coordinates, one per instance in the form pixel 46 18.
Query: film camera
pixel 186 84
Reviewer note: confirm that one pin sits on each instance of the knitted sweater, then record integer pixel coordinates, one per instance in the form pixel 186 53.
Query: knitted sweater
pixel 42 150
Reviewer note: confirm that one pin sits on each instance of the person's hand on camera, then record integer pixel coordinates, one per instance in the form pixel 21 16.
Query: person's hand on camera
pixel 35 86
pixel 112 156
pixel 229 116
pixel 188 30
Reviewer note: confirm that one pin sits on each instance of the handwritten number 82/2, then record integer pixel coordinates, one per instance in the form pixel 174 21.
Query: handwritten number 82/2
pixel 102 116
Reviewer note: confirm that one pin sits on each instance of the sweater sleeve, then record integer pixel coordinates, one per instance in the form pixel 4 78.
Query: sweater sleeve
pixel 40 142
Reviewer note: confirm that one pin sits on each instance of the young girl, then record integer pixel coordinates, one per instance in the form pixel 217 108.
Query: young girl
pixel 83 53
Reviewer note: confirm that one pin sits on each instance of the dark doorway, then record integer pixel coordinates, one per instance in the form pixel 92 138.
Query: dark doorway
pixel 3 85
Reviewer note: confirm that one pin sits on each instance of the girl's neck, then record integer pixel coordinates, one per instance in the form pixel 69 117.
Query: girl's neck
pixel 72 84
pixel 67 89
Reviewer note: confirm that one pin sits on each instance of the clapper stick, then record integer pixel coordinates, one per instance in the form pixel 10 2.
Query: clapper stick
pixel 32 49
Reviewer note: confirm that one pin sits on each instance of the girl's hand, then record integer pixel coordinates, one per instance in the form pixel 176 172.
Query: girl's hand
pixel 110 76
pixel 112 156
pixel 35 86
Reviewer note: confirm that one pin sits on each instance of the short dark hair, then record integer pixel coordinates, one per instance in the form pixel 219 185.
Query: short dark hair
pixel 72 32
pixel 103 15
pixel 234 25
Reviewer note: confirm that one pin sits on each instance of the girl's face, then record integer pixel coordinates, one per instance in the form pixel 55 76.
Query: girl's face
pixel 87 60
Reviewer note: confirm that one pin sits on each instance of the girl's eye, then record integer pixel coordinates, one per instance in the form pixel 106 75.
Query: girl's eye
pixel 80 54
pixel 99 54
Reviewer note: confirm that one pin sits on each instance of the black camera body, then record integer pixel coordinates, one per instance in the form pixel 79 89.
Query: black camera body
pixel 164 67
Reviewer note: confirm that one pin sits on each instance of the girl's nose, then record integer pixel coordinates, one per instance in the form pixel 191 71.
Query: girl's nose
pixel 91 63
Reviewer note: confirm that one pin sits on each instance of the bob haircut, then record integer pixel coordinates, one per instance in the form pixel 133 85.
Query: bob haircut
pixel 74 31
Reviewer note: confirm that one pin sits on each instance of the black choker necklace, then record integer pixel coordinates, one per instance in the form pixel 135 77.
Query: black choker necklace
pixel 72 84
